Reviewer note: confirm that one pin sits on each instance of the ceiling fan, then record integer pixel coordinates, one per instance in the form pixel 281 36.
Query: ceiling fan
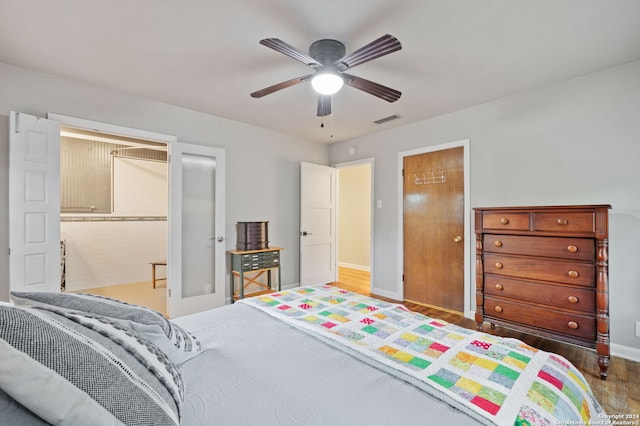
pixel 327 57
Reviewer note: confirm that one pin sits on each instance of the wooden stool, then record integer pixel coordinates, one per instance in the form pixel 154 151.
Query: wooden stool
pixel 154 279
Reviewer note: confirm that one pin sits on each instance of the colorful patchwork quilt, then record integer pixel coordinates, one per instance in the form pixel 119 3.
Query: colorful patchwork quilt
pixel 495 380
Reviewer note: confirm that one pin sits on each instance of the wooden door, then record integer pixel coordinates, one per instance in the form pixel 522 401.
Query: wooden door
pixel 433 218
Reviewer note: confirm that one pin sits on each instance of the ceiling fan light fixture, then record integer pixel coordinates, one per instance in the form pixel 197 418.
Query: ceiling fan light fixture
pixel 327 83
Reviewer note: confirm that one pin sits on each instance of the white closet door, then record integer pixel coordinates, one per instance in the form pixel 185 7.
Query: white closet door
pixel 34 203
pixel 317 224
pixel 196 262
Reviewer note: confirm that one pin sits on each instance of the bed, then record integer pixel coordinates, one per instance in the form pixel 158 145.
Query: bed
pixel 307 356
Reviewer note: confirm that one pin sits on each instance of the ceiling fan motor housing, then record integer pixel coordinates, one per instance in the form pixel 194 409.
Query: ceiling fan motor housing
pixel 327 51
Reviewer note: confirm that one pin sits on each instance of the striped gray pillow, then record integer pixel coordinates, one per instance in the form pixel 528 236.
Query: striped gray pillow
pixel 85 369
pixel 176 342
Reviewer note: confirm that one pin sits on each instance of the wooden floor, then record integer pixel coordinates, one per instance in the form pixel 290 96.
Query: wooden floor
pixel 619 394
pixel 141 293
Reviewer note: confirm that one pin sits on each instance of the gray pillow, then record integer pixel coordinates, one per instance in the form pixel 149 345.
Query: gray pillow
pixel 14 413
pixel 75 368
pixel 177 343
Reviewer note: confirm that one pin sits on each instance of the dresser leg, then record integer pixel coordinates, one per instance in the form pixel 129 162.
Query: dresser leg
pixel 603 363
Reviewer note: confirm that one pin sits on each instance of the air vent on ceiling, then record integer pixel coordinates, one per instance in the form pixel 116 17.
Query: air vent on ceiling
pixel 386 119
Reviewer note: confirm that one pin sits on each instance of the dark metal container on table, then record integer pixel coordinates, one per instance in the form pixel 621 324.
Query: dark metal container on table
pixel 252 235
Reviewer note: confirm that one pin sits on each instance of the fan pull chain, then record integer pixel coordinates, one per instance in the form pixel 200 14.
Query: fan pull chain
pixel 331 124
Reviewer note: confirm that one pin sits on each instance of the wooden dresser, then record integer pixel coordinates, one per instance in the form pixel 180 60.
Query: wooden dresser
pixel 544 271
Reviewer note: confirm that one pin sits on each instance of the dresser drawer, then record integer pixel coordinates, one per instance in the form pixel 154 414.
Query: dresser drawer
pixel 576 273
pixel 582 326
pixel 565 222
pixel 261 260
pixel 566 248
pixel 558 296
pixel 505 221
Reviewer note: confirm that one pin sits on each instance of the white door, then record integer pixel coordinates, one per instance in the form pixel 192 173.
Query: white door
pixel 317 224
pixel 196 258
pixel 34 203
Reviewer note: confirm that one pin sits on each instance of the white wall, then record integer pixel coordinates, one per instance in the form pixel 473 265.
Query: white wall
pixel 263 166
pixel 140 187
pixel 112 252
pixel 4 210
pixel 577 142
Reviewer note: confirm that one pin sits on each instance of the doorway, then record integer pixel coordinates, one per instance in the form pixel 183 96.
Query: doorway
pixel 435 227
pixel 355 224
pixel 113 222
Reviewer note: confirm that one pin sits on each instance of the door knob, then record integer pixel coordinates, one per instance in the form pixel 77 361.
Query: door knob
pixel 305 233
pixel 457 239
pixel 220 239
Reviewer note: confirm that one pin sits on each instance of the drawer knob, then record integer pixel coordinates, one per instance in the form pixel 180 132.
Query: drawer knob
pixel 572 325
pixel 573 300
pixel 572 249
pixel 573 274
pixel 499 287
pixel 497 243
pixel 498 309
pixel 498 265
pixel 504 221
pixel 562 222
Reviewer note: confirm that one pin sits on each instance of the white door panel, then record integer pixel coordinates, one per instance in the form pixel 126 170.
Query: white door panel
pixel 34 203
pixel 317 224
pixel 196 261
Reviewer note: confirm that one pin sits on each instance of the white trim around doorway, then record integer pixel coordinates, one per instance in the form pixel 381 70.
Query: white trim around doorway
pixel 111 129
pixel 370 161
pixel 469 309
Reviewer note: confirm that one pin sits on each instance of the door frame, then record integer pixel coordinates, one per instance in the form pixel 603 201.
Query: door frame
pixel 117 130
pixel 468 291
pixel 344 165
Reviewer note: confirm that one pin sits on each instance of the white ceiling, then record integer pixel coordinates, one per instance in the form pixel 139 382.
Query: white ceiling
pixel 204 54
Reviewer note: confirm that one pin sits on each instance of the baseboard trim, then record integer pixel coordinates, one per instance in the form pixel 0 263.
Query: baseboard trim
pixel 289 286
pixel 626 352
pixel 386 293
pixel 354 266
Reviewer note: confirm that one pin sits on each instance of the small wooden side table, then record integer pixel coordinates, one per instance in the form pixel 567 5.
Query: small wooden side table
pixel 257 262
pixel 154 265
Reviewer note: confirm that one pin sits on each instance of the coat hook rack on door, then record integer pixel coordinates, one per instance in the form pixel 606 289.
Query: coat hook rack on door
pixel 429 180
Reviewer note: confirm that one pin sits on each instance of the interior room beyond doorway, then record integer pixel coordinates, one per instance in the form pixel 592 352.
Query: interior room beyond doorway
pixel 354 219
pixel 114 206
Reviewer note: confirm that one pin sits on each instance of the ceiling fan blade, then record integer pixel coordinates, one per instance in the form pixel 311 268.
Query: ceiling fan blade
pixel 375 89
pixel 280 86
pixel 380 47
pixel 324 105
pixel 290 51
